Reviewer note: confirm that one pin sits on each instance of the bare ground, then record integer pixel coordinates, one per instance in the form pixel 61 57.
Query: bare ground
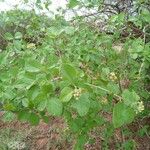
pixel 53 136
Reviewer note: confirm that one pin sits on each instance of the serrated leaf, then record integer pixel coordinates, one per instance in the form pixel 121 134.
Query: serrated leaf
pixel 66 94
pixel 54 107
pixel 82 105
pixel 122 115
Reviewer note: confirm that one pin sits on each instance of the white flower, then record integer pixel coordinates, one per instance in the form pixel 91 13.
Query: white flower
pixel 77 93
pixel 140 106
pixel 112 76
pixel 31 46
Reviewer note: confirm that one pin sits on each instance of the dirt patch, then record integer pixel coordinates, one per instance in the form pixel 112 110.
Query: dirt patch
pixel 41 137
pixel 53 136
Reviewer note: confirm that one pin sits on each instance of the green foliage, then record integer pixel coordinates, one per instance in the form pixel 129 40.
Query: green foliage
pixel 53 67
pixel 122 115
pixel 54 107
pixel 130 98
pixel 73 3
pixel 82 105
pixel 129 145
pixel 66 94
pixel 69 72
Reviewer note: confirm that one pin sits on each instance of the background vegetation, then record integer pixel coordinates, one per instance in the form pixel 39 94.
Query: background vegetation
pixel 92 70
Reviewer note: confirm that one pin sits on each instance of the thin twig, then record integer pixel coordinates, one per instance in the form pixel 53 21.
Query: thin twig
pixel 103 89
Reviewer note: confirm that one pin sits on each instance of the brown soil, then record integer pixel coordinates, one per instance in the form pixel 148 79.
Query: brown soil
pixel 52 136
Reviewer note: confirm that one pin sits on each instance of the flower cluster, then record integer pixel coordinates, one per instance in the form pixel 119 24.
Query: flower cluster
pixel 31 46
pixel 56 79
pixel 140 107
pixel 77 93
pixel 104 100
pixel 112 76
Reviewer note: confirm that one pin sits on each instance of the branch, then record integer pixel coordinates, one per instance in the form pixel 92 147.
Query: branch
pixel 93 14
pixel 103 89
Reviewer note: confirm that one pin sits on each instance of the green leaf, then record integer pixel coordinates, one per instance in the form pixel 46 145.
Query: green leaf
pixel 76 124
pixel 54 107
pixel 42 105
pixel 69 72
pixel 3 58
pixel 47 88
pixel 26 1
pixel 8 36
pixel 34 119
pixel 113 88
pixel 82 105
pixel 69 30
pixel 8 116
pixel 130 98
pixel 25 80
pixel 134 56
pixel 81 140
pixel 33 92
pixel 122 115
pixel 105 71
pixel 54 31
pixel 25 102
pixel 145 15
pixel 9 107
pixel 45 119
pixel 17 45
pixel 73 3
pixel 18 35
pixel 66 94
pixel 38 1
pixel 23 116
pixel 39 98
pixel 32 66
pixel 31 117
